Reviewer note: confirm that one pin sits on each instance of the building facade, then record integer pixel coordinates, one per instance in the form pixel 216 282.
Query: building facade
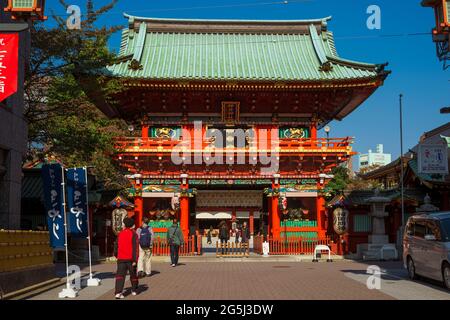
pixel 437 186
pixel 224 117
pixel 377 158
pixel 13 134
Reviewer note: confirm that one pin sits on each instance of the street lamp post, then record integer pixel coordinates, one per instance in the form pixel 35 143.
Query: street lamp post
pixel 401 163
pixel 327 131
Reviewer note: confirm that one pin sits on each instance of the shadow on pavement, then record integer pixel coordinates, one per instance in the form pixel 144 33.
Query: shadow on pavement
pixel 105 275
pixel 430 283
pixel 141 288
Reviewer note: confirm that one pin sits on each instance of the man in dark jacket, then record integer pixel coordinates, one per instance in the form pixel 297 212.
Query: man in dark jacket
pixel 175 239
pixel 245 233
pixel 127 254
pixel 224 235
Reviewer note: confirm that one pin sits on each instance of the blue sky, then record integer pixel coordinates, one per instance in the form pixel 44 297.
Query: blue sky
pixel 416 71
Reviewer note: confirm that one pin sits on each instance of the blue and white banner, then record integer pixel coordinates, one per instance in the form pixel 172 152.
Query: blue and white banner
pixel 52 176
pixel 77 202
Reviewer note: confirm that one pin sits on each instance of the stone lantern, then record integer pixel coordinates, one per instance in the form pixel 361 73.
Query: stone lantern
pixel 378 247
pixel 377 212
pixel 427 207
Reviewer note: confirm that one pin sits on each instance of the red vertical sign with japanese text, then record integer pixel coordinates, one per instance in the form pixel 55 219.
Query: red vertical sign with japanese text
pixel 9 53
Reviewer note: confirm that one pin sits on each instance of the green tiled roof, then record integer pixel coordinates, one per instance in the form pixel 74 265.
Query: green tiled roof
pixel 447 140
pixel 433 178
pixel 303 51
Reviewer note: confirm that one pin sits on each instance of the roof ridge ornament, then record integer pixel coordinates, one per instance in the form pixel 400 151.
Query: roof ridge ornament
pixel 135 65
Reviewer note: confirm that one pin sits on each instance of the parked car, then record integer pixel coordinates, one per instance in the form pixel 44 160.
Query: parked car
pixel 426 246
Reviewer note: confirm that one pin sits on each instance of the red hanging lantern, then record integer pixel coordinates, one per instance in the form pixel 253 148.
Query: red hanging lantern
pixel 26 9
pixel 441 32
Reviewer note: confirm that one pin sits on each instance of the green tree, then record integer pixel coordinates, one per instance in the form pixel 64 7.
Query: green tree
pixel 64 122
pixel 340 181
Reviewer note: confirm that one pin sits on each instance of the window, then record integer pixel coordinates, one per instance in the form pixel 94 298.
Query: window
pixel 445 228
pixel 362 223
pixel 230 111
pixel 433 229
pixel 419 229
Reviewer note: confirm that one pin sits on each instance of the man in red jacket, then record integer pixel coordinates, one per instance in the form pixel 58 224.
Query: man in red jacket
pixel 127 258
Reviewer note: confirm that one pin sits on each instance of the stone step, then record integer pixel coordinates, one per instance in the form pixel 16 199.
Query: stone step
pixel 374 247
pixel 372 255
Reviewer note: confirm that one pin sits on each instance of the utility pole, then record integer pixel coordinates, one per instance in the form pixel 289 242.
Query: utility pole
pixel 401 164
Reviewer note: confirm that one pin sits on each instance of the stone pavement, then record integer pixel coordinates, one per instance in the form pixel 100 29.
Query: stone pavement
pixel 273 279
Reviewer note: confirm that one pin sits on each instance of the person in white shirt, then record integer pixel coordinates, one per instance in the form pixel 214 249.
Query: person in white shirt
pixel 146 237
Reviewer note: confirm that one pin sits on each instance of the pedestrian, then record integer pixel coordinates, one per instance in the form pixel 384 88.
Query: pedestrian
pixel 175 239
pixel 126 250
pixel 223 234
pixel 146 236
pixel 245 233
pixel 237 232
pixel 209 235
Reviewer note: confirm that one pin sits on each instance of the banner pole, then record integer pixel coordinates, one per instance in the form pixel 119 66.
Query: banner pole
pixel 68 292
pixel 92 282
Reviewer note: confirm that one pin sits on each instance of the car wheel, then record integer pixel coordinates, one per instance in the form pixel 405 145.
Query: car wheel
pixel 446 275
pixel 411 269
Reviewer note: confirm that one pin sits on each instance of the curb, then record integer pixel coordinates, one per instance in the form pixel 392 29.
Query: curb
pixel 214 258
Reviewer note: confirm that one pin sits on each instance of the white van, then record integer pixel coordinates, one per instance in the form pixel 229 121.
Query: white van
pixel 426 246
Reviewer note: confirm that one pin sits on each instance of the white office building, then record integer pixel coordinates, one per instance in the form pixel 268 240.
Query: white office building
pixel 371 158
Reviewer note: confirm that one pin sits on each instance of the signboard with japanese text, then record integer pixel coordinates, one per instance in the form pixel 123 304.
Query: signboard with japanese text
pixel 77 202
pixel 9 52
pixel 433 159
pixel 52 176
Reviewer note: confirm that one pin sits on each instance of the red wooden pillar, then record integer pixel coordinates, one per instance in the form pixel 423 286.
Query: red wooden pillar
pixel 275 212
pixel 184 215
pixel 184 207
pixel 269 220
pixel 320 209
pixel 251 222
pixel 313 130
pixel 138 210
pixel 144 131
pixel 138 203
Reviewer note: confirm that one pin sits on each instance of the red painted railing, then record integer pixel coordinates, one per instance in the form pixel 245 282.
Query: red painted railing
pixel 160 145
pixel 289 246
pixel 189 248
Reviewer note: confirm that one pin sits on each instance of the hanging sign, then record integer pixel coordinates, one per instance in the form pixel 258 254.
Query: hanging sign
pixel 52 176
pixel 340 221
pixel 9 63
pixel 433 159
pixel 77 203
